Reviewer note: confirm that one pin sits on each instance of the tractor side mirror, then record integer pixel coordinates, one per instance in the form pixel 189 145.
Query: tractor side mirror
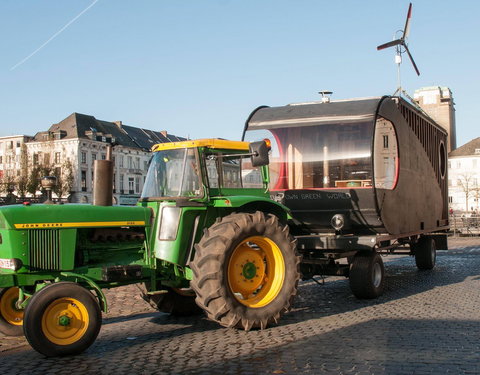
pixel 259 151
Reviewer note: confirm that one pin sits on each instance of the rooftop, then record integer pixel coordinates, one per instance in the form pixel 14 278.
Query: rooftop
pixel 79 125
pixel 468 149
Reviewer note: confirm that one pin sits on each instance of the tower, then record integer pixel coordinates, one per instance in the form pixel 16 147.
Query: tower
pixel 438 103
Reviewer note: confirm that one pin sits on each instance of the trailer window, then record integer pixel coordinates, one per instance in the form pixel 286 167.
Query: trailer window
pixel 320 156
pixel 385 161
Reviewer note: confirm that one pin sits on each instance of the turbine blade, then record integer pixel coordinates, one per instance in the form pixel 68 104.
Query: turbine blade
pixel 411 59
pixel 390 44
pixel 406 29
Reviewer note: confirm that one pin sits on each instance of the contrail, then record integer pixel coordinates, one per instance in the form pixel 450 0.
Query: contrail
pixel 54 35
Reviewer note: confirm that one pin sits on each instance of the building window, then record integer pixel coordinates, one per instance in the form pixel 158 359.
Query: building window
pixel 458 164
pixel 120 158
pixel 1 159
pixel 35 158
pixel 18 144
pixel 145 165
pixel 450 199
pixel 385 141
pixel 114 183
pixel 137 185
pixel 129 162
pixel 57 158
pixel 137 163
pixel 104 156
pixel 46 158
pixel 121 183
pixel 84 157
pixel 477 150
pixel 131 183
pixel 84 181
pixel 94 157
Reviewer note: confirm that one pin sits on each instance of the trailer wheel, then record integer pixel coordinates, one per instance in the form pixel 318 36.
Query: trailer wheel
pixel 367 275
pixel 425 253
pixel 62 319
pixel 11 318
pixel 246 270
pixel 177 302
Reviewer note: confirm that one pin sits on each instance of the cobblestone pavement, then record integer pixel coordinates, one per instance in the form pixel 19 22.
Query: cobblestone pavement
pixel 427 322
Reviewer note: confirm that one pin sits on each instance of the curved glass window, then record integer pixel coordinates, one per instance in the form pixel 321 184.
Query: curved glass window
pixel 385 161
pixel 172 174
pixel 319 156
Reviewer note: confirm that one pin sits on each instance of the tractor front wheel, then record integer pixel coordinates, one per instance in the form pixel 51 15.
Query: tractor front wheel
pixel 62 319
pixel 11 317
pixel 246 270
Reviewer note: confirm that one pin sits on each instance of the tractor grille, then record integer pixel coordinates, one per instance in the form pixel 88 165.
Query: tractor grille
pixel 44 249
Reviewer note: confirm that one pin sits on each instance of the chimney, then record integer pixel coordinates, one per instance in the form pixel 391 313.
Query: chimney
pixel 164 133
pixel 118 123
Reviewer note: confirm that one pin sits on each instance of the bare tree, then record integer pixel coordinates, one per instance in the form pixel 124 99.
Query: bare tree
pixel 65 177
pixel 21 181
pixel 469 186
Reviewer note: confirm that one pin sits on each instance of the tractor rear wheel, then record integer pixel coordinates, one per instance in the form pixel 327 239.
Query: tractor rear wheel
pixel 62 319
pixel 11 318
pixel 177 302
pixel 246 270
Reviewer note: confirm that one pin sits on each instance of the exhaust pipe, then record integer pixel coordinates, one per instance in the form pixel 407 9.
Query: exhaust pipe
pixel 103 180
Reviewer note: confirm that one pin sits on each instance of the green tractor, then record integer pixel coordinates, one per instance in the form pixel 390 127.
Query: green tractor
pixel 203 236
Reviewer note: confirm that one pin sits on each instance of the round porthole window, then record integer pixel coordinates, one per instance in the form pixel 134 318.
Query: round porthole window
pixel 442 155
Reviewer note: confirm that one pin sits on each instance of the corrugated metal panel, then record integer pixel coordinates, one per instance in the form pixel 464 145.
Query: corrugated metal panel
pixel 431 136
pixel 44 249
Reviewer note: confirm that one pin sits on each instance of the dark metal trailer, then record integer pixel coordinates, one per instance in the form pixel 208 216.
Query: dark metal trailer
pixel 361 177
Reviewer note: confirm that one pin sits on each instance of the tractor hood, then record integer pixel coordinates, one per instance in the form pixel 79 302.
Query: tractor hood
pixel 72 216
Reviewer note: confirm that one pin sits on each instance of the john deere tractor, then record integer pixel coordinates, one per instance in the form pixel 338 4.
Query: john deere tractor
pixel 204 235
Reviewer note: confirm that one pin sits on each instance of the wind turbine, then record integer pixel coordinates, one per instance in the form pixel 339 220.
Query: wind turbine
pixel 401 46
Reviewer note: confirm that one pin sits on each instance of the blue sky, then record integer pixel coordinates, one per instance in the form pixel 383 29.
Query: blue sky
pixel 198 68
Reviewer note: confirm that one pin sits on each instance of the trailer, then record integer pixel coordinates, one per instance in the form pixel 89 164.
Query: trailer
pixel 361 177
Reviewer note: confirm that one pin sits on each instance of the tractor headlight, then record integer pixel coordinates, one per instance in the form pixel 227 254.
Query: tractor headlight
pixel 169 221
pixel 11 264
pixel 338 221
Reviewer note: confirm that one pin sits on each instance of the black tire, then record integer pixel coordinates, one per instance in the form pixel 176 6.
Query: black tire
pixel 367 275
pixel 66 305
pixel 222 270
pixel 177 302
pixel 11 318
pixel 425 253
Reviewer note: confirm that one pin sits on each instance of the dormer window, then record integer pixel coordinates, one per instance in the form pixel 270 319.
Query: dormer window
pixel 477 151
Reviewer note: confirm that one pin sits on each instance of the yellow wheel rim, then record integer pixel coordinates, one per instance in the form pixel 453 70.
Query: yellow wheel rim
pixel 8 308
pixel 65 321
pixel 256 271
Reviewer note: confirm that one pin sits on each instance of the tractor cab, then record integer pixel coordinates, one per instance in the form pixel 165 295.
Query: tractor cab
pixel 197 170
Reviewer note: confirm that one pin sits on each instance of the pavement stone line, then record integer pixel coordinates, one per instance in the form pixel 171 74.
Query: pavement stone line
pixel 425 323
